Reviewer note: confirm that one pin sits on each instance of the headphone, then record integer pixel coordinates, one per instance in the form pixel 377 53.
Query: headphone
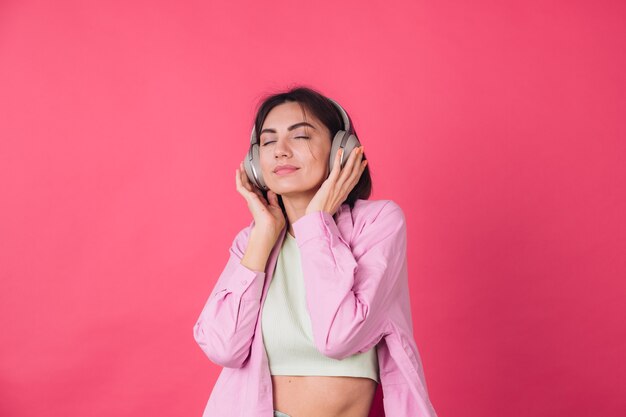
pixel 345 139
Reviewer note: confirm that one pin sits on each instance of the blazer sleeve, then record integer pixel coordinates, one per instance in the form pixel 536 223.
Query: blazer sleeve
pixel 226 324
pixel 348 298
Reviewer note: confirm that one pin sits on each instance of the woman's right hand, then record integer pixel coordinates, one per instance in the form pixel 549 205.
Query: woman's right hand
pixel 268 217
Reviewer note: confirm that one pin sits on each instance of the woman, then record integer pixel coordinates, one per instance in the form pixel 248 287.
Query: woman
pixel 312 310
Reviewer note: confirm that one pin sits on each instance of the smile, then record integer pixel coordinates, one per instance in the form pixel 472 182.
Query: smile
pixel 285 171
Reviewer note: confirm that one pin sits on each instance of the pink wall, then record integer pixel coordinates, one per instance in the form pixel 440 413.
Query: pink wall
pixel 498 128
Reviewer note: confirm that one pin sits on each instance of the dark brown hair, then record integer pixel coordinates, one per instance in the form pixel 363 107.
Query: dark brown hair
pixel 326 112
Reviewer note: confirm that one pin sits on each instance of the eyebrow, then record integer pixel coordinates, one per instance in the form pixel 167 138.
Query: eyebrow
pixel 290 128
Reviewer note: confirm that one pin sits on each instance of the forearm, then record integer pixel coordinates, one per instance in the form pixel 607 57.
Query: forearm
pixel 225 327
pixel 349 287
pixel 258 250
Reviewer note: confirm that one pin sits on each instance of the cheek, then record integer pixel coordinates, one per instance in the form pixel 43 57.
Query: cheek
pixel 322 157
pixel 318 153
pixel 266 160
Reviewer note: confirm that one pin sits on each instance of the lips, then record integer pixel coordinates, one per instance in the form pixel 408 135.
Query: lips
pixel 283 169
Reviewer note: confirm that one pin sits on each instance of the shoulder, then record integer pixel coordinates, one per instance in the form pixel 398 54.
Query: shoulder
pixel 376 220
pixel 368 211
pixel 379 226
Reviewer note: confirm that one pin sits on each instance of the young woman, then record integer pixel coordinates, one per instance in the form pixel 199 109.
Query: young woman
pixel 312 310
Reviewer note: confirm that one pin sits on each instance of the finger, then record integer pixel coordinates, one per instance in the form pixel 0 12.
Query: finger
pixel 334 173
pixel 258 192
pixel 273 198
pixel 243 186
pixel 237 178
pixel 240 187
pixel 262 199
pixel 244 178
pixel 251 188
pixel 356 173
pixel 351 163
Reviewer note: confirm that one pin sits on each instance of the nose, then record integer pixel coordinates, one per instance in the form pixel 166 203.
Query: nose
pixel 281 148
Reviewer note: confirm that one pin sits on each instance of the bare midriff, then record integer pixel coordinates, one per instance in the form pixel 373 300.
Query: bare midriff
pixel 323 396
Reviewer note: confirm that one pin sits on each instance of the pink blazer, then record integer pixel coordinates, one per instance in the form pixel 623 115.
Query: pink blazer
pixel 357 296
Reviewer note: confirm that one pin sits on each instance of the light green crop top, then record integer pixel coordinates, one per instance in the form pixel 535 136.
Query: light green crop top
pixel 287 331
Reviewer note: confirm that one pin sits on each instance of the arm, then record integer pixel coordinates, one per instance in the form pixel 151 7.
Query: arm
pixel 348 297
pixel 226 324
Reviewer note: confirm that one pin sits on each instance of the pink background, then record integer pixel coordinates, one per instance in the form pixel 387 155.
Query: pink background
pixel 499 128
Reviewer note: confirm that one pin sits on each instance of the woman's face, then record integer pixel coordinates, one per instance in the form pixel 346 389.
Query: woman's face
pixel 288 137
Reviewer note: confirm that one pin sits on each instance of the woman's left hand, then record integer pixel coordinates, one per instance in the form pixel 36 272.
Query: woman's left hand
pixel 339 183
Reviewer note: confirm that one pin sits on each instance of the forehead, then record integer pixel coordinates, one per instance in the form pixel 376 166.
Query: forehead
pixel 287 114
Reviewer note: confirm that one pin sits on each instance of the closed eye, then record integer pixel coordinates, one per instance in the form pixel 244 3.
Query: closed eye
pixel 297 137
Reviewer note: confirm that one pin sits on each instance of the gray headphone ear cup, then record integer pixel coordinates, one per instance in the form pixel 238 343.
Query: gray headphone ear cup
pixel 351 142
pixel 252 167
pixel 335 145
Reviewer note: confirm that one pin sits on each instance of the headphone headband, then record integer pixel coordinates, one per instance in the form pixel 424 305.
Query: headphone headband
pixel 344 116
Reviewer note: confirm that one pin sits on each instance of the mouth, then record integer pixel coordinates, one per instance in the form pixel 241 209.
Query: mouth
pixel 285 171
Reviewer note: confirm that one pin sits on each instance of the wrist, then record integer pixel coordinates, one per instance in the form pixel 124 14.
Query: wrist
pixel 263 236
pixel 312 210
